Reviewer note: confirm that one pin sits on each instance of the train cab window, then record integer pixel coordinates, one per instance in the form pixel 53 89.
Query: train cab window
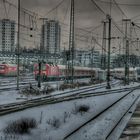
pixel 44 67
pixel 2 67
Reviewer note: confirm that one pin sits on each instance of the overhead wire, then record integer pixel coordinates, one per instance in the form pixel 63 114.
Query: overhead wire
pixel 79 28
pixel 67 9
pixel 5 9
pixel 54 8
pixel 123 4
pixel 120 8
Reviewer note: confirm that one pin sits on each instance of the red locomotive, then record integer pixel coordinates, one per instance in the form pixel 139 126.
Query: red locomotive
pixel 8 69
pixel 48 72
pixel 51 72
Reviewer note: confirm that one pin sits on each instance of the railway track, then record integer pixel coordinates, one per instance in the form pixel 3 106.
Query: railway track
pixel 71 92
pixel 105 131
pixel 132 129
pixel 13 107
pixel 13 86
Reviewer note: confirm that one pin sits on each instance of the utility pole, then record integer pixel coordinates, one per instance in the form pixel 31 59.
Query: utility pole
pixel 92 64
pixel 109 45
pixel 138 51
pixel 126 63
pixel 126 79
pixel 67 74
pixel 71 43
pixel 103 58
pixel 18 44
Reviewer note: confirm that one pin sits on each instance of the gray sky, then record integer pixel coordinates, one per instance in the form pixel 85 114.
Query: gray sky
pixel 87 17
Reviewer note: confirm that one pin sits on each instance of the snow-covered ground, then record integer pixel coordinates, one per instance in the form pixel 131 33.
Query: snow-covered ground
pixel 14 96
pixel 64 113
pixel 102 126
pixel 58 110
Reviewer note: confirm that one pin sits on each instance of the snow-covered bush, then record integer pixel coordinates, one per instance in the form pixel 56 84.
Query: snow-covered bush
pixel 30 90
pixel 66 86
pixel 20 126
pixel 80 109
pixel 47 89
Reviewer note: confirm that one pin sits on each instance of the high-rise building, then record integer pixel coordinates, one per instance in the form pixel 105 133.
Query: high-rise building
pixel 50 37
pixel 7 35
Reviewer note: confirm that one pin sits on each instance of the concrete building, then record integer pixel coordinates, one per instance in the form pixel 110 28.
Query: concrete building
pixel 88 58
pixel 50 37
pixel 7 35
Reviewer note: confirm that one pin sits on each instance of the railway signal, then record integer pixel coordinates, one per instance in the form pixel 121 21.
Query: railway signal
pixel 39 74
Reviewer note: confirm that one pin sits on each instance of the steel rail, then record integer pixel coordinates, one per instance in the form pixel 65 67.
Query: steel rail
pixel 75 92
pixel 122 117
pixel 28 104
pixel 99 114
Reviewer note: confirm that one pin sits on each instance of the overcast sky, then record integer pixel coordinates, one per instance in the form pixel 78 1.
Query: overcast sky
pixel 87 15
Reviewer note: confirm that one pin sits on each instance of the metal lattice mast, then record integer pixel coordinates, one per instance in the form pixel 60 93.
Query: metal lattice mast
pixel 71 44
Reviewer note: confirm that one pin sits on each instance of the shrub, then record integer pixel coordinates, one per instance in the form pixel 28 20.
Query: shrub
pixel 68 86
pixel 80 109
pixel 82 84
pixel 55 122
pixel 47 89
pixel 20 126
pixel 83 108
pixel 30 90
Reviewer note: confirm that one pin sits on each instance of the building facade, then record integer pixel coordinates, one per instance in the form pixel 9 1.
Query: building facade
pixel 88 58
pixel 7 35
pixel 50 37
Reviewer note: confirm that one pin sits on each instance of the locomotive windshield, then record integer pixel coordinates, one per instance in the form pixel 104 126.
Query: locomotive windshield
pixel 43 67
pixel 2 67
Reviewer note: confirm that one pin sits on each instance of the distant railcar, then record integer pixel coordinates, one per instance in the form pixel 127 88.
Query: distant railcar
pixel 119 73
pixel 101 75
pixel 8 69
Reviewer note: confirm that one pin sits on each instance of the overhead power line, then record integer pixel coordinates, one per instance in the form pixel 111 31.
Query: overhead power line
pixel 53 9
pixel 120 8
pixel 22 9
pixel 101 10
pixel 123 4
pixel 98 7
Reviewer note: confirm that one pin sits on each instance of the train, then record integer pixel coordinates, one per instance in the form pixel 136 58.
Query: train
pixel 8 69
pixel 119 73
pixel 50 72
